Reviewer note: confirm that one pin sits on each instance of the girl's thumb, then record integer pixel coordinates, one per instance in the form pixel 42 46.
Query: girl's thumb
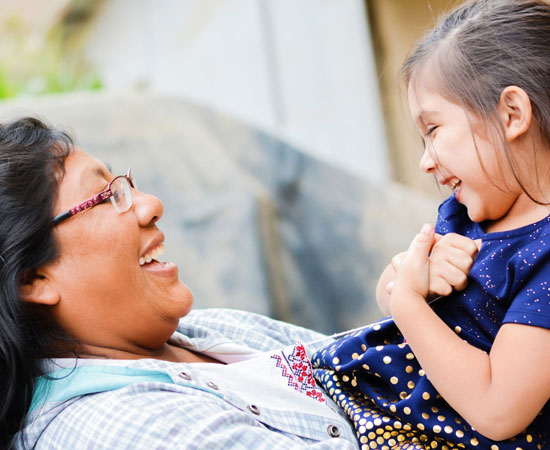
pixel 423 242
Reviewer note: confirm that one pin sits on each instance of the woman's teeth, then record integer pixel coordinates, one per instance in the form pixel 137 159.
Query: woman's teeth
pixel 455 185
pixel 153 254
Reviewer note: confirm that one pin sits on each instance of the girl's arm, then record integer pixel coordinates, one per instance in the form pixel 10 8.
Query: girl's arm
pixel 500 393
pixel 382 291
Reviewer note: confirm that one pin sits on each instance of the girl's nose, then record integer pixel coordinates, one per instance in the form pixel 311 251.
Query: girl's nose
pixel 148 208
pixel 427 163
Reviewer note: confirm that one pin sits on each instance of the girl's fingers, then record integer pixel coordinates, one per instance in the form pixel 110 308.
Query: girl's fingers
pixel 455 258
pixel 457 241
pixel 444 281
pixel 478 243
pixel 396 260
pixel 412 276
pixel 440 287
pixel 421 245
pixel 451 260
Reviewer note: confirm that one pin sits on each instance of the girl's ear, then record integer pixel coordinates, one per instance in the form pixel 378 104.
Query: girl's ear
pixel 515 112
pixel 38 288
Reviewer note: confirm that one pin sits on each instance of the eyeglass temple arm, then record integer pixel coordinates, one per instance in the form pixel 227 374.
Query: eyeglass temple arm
pixel 61 217
pixel 96 199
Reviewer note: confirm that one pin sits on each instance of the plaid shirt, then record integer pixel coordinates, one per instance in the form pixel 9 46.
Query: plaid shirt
pixel 155 414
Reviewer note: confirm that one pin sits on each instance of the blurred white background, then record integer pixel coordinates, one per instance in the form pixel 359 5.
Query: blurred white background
pixel 303 70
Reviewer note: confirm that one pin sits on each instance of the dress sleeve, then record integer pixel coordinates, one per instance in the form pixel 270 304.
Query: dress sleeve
pixel 531 290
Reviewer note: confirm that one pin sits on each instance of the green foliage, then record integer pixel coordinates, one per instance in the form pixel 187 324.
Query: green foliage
pixel 34 63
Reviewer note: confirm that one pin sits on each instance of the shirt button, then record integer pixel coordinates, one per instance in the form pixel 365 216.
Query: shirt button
pixel 184 375
pixel 333 431
pixel 254 409
pixel 212 385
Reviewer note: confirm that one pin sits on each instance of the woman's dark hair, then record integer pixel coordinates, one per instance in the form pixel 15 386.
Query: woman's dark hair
pixel 481 48
pixel 31 163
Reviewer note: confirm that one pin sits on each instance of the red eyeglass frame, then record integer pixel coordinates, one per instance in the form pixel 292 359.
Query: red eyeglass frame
pixel 92 201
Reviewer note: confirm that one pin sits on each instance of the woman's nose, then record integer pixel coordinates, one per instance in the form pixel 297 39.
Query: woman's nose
pixel 427 163
pixel 147 207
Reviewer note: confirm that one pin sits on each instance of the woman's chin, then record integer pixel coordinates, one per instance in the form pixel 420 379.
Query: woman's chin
pixel 182 300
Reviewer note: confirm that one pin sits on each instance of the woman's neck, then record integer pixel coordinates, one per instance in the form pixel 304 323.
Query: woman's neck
pixel 168 352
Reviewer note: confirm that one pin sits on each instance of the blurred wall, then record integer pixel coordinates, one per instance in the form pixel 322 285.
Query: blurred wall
pixel 303 70
pixel 396 25
pixel 320 74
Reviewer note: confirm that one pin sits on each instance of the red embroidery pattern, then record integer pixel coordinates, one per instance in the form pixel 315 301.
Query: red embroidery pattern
pixel 296 368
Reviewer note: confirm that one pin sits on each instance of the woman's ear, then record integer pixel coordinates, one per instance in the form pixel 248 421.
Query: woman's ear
pixel 515 112
pixel 38 288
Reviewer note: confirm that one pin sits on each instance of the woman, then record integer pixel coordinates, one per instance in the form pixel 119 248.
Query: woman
pixel 97 339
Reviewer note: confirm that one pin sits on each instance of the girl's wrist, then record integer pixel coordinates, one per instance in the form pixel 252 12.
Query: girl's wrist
pixel 402 300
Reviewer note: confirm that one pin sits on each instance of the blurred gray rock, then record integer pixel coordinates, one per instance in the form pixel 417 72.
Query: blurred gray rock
pixel 251 221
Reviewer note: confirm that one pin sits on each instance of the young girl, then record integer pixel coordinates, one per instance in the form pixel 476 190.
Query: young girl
pixel 472 368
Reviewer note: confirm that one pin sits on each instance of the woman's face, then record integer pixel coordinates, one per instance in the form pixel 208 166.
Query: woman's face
pixel 106 298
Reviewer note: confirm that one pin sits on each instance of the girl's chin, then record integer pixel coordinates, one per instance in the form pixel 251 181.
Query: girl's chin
pixel 458 194
pixel 476 216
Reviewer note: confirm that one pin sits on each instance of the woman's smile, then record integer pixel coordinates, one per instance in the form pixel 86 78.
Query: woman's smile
pixel 140 295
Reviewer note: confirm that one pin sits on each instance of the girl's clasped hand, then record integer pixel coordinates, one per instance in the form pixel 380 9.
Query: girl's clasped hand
pixel 450 259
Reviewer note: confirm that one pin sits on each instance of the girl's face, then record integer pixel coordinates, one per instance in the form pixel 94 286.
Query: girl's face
pixel 107 299
pixel 454 147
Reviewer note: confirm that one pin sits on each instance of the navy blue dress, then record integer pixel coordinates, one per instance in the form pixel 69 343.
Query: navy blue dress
pixel 374 376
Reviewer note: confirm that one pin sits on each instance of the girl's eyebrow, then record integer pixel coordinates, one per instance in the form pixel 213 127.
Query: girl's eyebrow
pixel 424 115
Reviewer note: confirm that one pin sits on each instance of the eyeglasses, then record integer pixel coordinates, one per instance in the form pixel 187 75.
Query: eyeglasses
pixel 118 190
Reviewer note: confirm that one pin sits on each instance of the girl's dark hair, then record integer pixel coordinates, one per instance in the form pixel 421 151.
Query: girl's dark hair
pixel 481 48
pixel 31 163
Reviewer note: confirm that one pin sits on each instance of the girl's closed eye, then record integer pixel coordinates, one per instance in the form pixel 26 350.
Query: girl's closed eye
pixel 430 130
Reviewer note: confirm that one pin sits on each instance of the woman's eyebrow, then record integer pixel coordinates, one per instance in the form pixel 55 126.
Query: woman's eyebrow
pixel 91 175
pixel 90 178
pixel 106 164
pixel 101 172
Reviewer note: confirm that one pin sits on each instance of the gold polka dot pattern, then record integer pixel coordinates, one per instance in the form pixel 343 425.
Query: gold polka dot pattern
pixel 375 378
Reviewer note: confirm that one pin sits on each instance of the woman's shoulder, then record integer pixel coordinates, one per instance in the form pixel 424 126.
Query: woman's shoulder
pixel 142 415
pixel 252 329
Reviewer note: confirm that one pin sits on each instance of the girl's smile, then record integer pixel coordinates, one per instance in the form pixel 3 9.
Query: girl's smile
pixel 459 153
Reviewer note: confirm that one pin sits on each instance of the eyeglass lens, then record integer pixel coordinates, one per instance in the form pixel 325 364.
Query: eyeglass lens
pixel 122 194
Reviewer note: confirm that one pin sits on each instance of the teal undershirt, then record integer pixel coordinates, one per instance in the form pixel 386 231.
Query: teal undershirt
pixel 64 384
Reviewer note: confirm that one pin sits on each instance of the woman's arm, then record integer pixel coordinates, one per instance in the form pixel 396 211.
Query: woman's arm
pixel 499 393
